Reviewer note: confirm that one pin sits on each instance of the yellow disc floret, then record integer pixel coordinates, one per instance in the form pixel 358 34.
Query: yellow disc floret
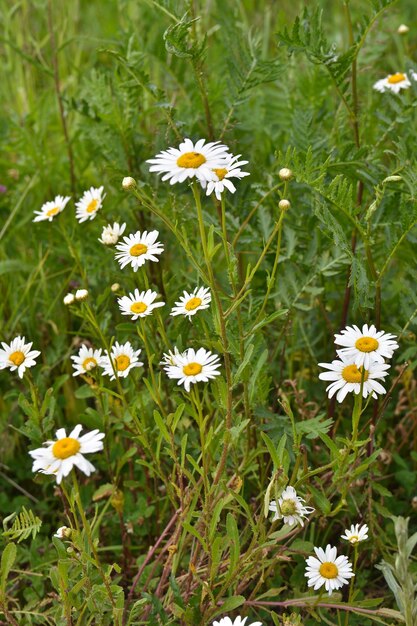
pixel 92 206
pixel 328 570
pixel 367 344
pixel 138 249
pixel 353 374
pixel 220 172
pixel 192 369
pixel 396 78
pixel 288 507
pixel 89 363
pixel 191 160
pixel 66 447
pixel 138 307
pixel 122 362
pixel 52 212
pixel 193 304
pixel 17 358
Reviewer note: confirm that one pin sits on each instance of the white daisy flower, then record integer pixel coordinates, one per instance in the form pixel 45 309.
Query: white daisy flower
pixel 86 360
pixel 63 532
pixel 356 533
pixel 190 160
pixel 60 456
pixel 393 82
pixel 49 210
pixel 122 359
pixel 190 303
pixel 290 508
pixel 222 177
pixel 139 248
pixel 81 294
pixel 88 206
pixel 328 569
pixel 169 358
pixel 192 367
pixel 238 621
pixel 366 345
pixel 111 234
pixel 18 356
pixel 346 377
pixel 139 303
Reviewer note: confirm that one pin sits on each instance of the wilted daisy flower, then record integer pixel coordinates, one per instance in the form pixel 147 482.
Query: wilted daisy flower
pixel 89 204
pixel 49 210
pixel 222 176
pixel 356 533
pixel 86 360
pixel 193 366
pixel 63 532
pixel 190 303
pixel 290 508
pixel 60 456
pixel 111 234
pixel 393 82
pixel 328 569
pixel 190 160
pixel 122 359
pixel 238 621
pixel 366 345
pixel 139 303
pixel 346 377
pixel 18 356
pixel 139 248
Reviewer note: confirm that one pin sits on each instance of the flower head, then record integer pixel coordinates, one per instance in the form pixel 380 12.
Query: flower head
pixel 328 569
pixel 90 203
pixel 366 345
pixel 128 183
pixel 18 356
pixel 122 359
pixel 63 532
pixel 139 304
pixel 221 181
pixel 190 303
pixel 393 82
pixel 81 294
pixel 290 508
pixel 49 210
pixel 238 621
pixel 111 234
pixel 193 366
pixel 346 377
pixel 356 533
pixel 69 298
pixel 86 360
pixel 60 456
pixel 139 248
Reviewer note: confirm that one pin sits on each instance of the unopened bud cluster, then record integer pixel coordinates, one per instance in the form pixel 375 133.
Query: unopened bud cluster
pixel 80 294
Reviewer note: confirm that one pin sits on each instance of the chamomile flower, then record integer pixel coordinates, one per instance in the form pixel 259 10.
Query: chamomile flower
pixel 231 169
pixel 366 345
pixel 122 359
pixel 190 303
pixel 328 569
pixel 86 360
pixel 90 203
pixel 190 161
pixel 238 621
pixel 346 377
pixel 193 366
pixel 169 358
pixel 356 533
pixel 393 82
pixel 290 508
pixel 138 248
pixel 49 210
pixel 139 303
pixel 111 234
pixel 18 356
pixel 60 456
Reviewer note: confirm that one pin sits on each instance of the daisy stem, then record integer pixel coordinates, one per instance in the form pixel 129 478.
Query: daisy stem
pixel 142 335
pixel 352 580
pixel 224 232
pixel 357 409
pixel 195 395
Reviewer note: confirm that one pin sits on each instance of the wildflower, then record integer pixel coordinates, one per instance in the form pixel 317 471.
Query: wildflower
pixel 290 508
pixel 128 183
pixel 18 356
pixel 60 456
pixel 238 621
pixel 190 161
pixel 393 82
pixel 284 205
pixel 190 303
pixel 356 533
pixel 86 360
pixel 89 204
pixel 221 181
pixel 139 304
pixel 69 299
pixel 328 569
pixel 366 345
pixel 285 173
pixel 121 360
pixel 169 358
pixel 111 234
pixel 346 377
pixel 402 29
pixel 50 209
pixel 81 294
pixel 192 367
pixel 115 287
pixel 63 532
pixel 139 248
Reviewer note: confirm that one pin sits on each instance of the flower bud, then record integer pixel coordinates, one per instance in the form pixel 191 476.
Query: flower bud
pixel 414 502
pixel 115 287
pixel 69 299
pixel 284 205
pixel 128 183
pixel 81 294
pixel 285 173
pixel 402 29
pixel 63 532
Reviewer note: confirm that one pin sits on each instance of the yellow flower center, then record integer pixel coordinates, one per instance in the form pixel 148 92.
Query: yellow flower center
pixel 192 369
pixel 65 448
pixel 353 374
pixel 366 344
pixel 191 159
pixel 193 304
pixel 89 363
pixel 138 249
pixel 220 172
pixel 92 206
pixel 17 357
pixel 354 538
pixel 53 211
pixel 328 570
pixel 122 362
pixel 396 78
pixel 138 307
pixel 288 507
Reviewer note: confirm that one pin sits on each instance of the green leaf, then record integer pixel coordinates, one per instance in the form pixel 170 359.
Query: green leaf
pixel 7 559
pixel 24 525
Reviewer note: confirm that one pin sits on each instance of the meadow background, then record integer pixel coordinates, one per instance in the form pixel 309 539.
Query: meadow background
pixel 89 91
